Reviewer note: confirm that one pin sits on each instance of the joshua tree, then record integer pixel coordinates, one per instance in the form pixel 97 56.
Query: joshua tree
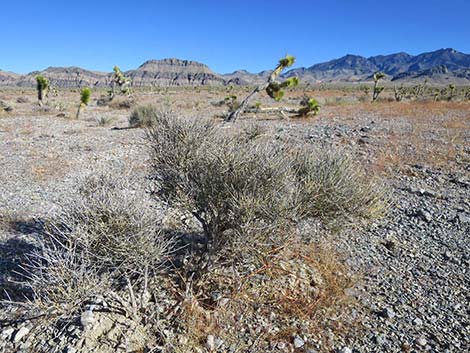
pixel 377 89
pixel 437 94
pixel 365 89
pixel 42 85
pixel 451 91
pixel 399 93
pixel 84 100
pixel 273 88
pixel 309 106
pixel 120 80
pixel 466 93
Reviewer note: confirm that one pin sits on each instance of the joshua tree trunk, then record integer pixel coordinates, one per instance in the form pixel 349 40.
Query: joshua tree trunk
pixel 374 93
pixel 40 97
pixel 272 78
pixel 78 111
pixel 41 94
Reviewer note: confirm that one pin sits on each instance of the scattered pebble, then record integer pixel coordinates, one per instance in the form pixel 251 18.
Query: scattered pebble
pixel 298 342
pixel 422 341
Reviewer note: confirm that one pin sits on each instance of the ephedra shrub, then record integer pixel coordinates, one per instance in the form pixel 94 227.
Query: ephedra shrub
pixel 231 184
pixel 249 194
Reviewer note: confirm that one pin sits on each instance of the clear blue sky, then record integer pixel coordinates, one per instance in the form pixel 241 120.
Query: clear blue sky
pixel 226 35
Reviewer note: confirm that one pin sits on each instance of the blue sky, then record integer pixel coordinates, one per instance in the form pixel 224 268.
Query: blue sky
pixel 226 35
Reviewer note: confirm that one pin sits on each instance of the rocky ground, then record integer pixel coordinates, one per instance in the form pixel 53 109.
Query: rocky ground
pixel 413 266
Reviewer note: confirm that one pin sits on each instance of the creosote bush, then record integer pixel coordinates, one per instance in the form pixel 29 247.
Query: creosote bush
pixel 143 116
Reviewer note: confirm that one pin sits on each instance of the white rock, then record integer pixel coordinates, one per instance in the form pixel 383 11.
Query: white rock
pixel 210 343
pixel 298 342
pixel 6 333
pixel 87 318
pixel 218 342
pixel 345 350
pixel 422 341
pixel 22 332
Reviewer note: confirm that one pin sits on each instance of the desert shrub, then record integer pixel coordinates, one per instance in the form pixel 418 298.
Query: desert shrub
pixel 143 116
pixel 224 182
pixel 332 186
pixel 103 120
pixel 5 107
pixel 121 103
pixel 112 224
pixel 22 100
pixel 101 240
pixel 233 185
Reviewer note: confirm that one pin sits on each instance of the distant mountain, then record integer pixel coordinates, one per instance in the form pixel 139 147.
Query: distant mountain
pixel 391 64
pixel 8 78
pixel 63 77
pixel 173 72
pixel 347 68
pixel 243 77
pixel 440 66
pixel 438 75
pixel 400 66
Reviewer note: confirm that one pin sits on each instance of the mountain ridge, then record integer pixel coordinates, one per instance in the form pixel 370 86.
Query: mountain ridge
pixel 440 66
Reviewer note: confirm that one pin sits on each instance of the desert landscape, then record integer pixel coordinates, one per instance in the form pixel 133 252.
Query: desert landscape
pixel 331 213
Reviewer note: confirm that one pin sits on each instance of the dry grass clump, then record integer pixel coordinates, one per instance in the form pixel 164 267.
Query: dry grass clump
pixel 296 289
pixel 104 246
pixel 111 223
pixel 103 120
pixel 143 116
pixel 332 186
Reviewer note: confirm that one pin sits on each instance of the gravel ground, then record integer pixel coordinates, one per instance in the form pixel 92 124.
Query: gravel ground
pixel 414 264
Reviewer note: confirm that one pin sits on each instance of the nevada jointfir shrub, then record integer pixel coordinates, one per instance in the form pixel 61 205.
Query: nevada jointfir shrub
pixel 240 189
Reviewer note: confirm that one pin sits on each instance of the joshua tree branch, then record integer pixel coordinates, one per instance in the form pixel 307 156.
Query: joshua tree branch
pixel 234 115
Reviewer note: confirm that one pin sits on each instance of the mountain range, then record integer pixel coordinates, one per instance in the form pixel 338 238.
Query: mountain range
pixel 441 66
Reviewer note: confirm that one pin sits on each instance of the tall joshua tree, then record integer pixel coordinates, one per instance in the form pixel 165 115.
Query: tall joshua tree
pixel 121 81
pixel 85 95
pixel 42 85
pixel 273 89
pixel 377 89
